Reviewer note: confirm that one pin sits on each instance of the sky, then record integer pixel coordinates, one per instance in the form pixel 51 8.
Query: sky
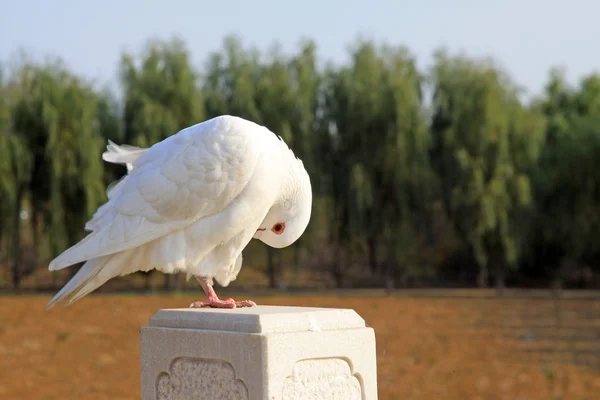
pixel 527 37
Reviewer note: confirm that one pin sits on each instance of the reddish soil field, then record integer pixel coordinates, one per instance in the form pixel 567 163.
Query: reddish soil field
pixel 444 348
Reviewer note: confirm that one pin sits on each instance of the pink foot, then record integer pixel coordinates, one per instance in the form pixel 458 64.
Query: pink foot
pixel 218 303
pixel 214 301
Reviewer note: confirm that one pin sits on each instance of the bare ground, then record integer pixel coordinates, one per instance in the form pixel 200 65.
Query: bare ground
pixel 427 348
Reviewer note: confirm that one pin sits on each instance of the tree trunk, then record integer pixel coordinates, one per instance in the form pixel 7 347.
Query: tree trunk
pixel 178 281
pixel 16 277
pixel 500 283
pixel 482 277
pixel 167 281
pixel 498 267
pixel 147 276
pixel 271 268
pixel 556 285
pixel 390 281
pixel 297 259
pixel 16 245
pixel 280 272
pixel 556 280
pixel 372 249
pixel 336 271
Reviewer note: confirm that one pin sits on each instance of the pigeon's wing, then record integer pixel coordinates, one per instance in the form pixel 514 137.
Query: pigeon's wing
pixel 188 176
pixel 123 154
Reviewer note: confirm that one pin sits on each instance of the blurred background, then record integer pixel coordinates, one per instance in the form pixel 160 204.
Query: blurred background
pixel 453 148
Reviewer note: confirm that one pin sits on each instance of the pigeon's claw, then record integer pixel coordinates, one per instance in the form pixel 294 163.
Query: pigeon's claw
pixel 214 301
pixel 245 303
pixel 218 303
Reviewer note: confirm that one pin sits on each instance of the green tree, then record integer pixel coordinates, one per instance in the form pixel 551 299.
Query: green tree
pixel 162 93
pixel 306 80
pixel 402 164
pixel 566 179
pixel 230 80
pixel 485 144
pixel 275 101
pixel 277 92
pixel 110 119
pixel 376 153
pixel 55 117
pixel 161 96
pixel 304 122
pixel 14 178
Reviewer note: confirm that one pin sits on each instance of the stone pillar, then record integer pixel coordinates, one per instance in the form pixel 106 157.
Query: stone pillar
pixel 258 353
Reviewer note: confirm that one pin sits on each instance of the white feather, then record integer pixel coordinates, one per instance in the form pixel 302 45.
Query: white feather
pixel 115 154
pixel 124 154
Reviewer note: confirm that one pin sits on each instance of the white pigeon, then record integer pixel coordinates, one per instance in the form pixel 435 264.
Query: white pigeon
pixel 191 203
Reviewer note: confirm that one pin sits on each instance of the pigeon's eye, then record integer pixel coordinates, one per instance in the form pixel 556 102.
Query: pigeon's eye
pixel 278 228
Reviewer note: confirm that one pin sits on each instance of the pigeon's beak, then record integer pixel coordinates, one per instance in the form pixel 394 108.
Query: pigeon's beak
pixel 258 233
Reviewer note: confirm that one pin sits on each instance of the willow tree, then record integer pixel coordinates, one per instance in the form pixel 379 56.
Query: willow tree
pixel 567 181
pixel 161 96
pixel 403 165
pixel 276 91
pixel 575 193
pixel 110 124
pixel 55 115
pixel 275 101
pixel 305 126
pixel 286 95
pixel 306 80
pixel 334 164
pixel 161 92
pixel 485 144
pixel 376 153
pixel 229 81
pixel 14 178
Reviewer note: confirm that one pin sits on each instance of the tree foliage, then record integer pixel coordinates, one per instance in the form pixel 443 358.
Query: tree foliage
pixel 485 143
pixel 161 93
pixel 396 172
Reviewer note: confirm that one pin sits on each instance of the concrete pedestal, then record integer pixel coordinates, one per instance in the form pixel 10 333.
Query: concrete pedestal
pixel 259 353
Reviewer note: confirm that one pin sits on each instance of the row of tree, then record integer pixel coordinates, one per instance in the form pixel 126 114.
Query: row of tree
pixel 456 188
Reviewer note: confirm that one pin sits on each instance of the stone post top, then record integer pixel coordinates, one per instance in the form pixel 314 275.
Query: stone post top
pixel 260 319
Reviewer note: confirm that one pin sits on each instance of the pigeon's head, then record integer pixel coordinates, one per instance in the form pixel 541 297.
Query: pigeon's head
pixel 288 217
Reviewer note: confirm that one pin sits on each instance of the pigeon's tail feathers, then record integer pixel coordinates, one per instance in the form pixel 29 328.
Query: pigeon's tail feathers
pixel 114 235
pixel 81 284
pixel 91 275
pixel 123 154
